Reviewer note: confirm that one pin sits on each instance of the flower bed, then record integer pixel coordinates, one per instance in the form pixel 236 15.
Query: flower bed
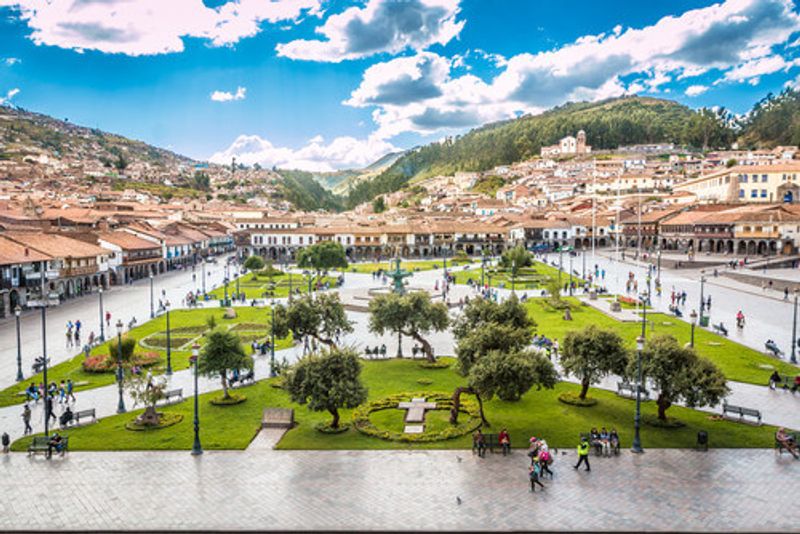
pixel 444 401
pixel 104 363
pixel 194 330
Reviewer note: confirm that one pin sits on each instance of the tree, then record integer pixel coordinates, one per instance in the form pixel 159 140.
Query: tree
pixel 591 354
pixel 328 381
pixel 221 353
pixel 491 333
pixel 254 263
pixel 509 375
pixel 679 374
pixel 413 315
pixel 201 181
pixel 322 318
pixel 322 256
pixel 379 205
pixel 514 260
pixel 146 392
pixel 128 347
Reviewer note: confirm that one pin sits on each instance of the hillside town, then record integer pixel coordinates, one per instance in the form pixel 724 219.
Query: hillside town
pixel 58 243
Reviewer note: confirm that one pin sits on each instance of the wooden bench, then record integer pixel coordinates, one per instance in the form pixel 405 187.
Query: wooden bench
pixel 626 389
pixel 83 414
pixel 171 394
pixel 490 441
pixel 41 444
pixel 741 411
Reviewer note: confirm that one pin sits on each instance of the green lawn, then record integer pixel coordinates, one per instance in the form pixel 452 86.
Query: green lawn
pixel 411 265
pixel 538 413
pixel 256 288
pixel 534 277
pixel 737 362
pixel 187 325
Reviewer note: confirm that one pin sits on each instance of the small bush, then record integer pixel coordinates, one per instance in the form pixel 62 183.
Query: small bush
pixel 652 420
pixel 326 428
pixel 424 381
pixel 438 364
pixel 167 420
pixel 232 400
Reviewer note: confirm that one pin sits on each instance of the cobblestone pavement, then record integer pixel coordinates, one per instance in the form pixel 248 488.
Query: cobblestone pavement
pixel 664 490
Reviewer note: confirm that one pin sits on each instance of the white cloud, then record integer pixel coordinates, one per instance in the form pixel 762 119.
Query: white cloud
pixel 227 96
pixel 695 90
pixel 316 155
pixel 11 61
pixel 8 96
pixel 147 27
pixel 758 67
pixel 380 26
pixel 729 36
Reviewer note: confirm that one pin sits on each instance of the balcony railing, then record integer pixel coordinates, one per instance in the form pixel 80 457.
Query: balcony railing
pixel 758 235
pixel 78 271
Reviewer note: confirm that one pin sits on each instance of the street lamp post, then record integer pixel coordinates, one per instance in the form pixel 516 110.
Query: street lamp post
pixel 793 358
pixel 18 312
pixel 226 284
pixel 152 306
pixel 483 269
pixel 560 263
pixel 120 374
pixel 47 401
pixel 237 283
pixel 658 274
pixel 583 259
pixel 197 448
pixel 102 328
pixel 203 269
pixel 169 343
pixel 570 273
pixel 637 442
pixel 272 341
pixel 693 318
pixel 702 301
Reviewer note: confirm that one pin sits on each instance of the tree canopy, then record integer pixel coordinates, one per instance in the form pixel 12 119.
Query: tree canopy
pixel 322 256
pixel 254 263
pixel 515 260
pixel 322 317
pixel 221 353
pixel 591 354
pixel 413 314
pixel 328 381
pixel 679 374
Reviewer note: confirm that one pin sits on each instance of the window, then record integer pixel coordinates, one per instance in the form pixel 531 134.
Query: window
pixel 727 179
pixel 743 178
pixel 763 193
pixel 763 178
pixel 754 193
pixel 741 193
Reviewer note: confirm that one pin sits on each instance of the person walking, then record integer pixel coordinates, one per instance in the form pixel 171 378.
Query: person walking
pixel 583 454
pixel 70 390
pixel 534 473
pixel 26 418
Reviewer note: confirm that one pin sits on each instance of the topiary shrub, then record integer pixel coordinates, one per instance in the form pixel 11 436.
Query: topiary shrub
pixel 326 428
pixel 232 400
pixel 438 364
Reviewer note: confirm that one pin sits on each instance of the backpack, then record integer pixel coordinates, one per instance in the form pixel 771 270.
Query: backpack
pixel 544 456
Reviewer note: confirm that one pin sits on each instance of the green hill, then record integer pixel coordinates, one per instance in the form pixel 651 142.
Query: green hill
pixel 608 124
pixel 774 121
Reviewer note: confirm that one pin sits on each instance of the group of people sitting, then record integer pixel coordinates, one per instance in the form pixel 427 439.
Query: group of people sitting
pixel 604 442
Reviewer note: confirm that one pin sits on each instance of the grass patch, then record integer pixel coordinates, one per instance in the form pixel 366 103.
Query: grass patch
pixel 179 319
pixel 534 277
pixel 737 362
pixel 263 287
pixel 538 413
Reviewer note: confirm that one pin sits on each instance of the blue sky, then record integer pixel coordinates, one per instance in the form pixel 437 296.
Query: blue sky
pixel 322 84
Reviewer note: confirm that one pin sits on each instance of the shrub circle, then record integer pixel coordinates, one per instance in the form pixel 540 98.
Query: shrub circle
pixel 438 364
pixel 424 381
pixel 326 428
pixel 233 400
pixel 168 419
pixel 654 421
pixel 571 398
pixel 444 401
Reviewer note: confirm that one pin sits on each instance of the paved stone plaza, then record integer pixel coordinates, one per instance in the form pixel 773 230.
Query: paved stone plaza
pixel 664 490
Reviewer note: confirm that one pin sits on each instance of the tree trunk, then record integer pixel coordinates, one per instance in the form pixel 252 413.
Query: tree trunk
pixel 663 405
pixel 457 403
pixel 426 347
pixel 335 413
pixel 584 388
pixel 224 376
pixel 480 407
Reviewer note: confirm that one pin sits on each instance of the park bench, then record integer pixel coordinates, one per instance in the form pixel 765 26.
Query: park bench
pixel 41 444
pixel 720 329
pixel 741 411
pixel 626 389
pixel 779 446
pixel 491 443
pixel 176 394
pixel 84 414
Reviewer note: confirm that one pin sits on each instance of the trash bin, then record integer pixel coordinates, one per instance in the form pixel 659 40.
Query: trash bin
pixel 704 321
pixel 702 440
